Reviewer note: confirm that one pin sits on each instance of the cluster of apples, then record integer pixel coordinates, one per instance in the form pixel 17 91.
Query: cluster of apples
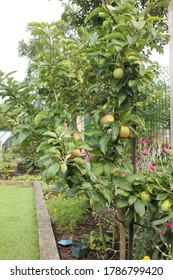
pixel 125 131
pixel 165 204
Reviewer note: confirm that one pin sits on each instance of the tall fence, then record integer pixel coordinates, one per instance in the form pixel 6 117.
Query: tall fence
pixel 156 111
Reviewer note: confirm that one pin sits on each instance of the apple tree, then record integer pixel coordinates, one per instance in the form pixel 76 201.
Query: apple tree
pixel 102 74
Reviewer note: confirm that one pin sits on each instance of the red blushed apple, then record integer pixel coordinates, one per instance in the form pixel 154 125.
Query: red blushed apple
pixel 76 153
pixel 124 131
pixel 107 119
pixel 77 136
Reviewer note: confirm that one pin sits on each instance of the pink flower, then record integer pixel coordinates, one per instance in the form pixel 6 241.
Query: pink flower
pixel 154 136
pixel 83 153
pixel 165 149
pixel 170 225
pixel 143 142
pixel 87 159
pixel 156 149
pixel 154 164
pixel 152 168
pixel 147 141
pixel 137 160
pixel 145 154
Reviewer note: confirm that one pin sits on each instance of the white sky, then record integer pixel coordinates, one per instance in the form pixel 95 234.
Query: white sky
pixel 14 17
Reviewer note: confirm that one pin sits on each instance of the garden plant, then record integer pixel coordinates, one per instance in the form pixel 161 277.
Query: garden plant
pixel 104 73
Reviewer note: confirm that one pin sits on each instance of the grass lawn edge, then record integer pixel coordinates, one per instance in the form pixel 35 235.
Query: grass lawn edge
pixel 47 244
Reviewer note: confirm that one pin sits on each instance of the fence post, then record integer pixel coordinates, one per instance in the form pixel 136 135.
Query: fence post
pixel 170 28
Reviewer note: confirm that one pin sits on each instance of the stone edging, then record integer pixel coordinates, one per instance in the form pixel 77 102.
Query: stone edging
pixel 47 243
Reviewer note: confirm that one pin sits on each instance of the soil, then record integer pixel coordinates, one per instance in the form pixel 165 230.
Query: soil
pixel 89 224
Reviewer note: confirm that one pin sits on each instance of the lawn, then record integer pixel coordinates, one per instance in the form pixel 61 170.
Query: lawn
pixel 18 224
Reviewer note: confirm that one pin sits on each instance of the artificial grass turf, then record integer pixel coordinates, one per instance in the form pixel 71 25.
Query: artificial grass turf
pixel 18 224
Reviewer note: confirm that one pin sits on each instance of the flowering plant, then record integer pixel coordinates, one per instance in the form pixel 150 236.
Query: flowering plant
pixel 152 155
pixel 167 240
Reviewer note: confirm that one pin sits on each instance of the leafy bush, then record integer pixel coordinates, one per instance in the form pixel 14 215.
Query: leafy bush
pixel 27 178
pixel 7 163
pixel 66 212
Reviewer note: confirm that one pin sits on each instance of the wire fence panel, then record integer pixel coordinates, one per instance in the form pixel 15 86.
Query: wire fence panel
pixel 156 111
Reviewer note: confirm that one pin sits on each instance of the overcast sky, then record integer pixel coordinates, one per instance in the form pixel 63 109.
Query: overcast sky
pixel 14 17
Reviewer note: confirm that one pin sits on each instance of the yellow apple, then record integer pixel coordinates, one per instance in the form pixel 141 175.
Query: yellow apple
pixel 124 131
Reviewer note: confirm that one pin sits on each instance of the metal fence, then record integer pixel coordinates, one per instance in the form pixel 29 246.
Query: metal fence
pixel 156 112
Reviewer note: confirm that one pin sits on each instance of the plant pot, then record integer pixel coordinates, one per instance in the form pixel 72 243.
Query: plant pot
pixel 79 250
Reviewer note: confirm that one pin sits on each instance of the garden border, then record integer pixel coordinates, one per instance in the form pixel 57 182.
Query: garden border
pixel 47 244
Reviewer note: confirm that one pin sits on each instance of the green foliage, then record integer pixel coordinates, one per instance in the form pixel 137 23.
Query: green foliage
pixel 7 163
pixel 27 178
pixel 4 119
pixel 75 15
pixel 66 212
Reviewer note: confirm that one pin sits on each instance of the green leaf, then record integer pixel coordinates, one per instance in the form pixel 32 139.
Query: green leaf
pixel 23 135
pixel 154 18
pixel 63 167
pixel 104 143
pixel 98 168
pixel 94 13
pixel 122 203
pixel 115 35
pixel 132 199
pixel 135 119
pixel 121 192
pixel 109 168
pixel 37 31
pixel 139 208
pixel 50 133
pixel 162 196
pixel 87 186
pixel 138 25
pixel 125 113
pixel 85 147
pixel 52 170
pixel 115 131
pixel 119 149
pixel 122 183
pixel 42 146
pixel 39 117
pixel 121 98
pixel 162 220
pixel 93 177
pixel 128 167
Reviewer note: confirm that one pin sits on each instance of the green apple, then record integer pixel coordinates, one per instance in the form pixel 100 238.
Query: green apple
pixel 118 73
pixel 166 205
pixel 145 196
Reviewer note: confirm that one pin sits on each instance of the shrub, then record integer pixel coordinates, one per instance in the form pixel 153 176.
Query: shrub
pixel 66 212
pixel 27 177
